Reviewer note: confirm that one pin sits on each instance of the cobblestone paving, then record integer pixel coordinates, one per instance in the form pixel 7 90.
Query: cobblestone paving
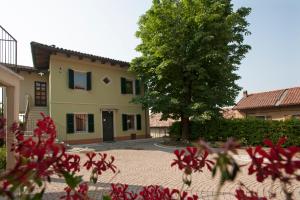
pixel 143 163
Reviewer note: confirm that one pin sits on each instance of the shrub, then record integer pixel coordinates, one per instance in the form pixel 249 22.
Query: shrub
pixel 2 158
pixel 249 131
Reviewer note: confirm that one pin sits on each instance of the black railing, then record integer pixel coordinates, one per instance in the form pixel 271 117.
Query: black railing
pixel 8 47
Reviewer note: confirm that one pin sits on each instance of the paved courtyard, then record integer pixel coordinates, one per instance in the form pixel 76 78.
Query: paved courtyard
pixel 146 162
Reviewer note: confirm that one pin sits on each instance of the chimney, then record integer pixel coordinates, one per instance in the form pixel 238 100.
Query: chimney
pixel 245 93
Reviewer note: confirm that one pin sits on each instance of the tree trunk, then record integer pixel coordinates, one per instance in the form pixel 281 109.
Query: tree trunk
pixel 185 128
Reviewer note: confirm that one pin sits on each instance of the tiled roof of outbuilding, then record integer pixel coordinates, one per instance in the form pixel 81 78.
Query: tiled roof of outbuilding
pixel 276 98
pixel 19 67
pixel 156 122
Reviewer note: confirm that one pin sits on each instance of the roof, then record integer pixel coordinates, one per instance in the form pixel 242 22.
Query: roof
pixel 6 69
pixel 41 55
pixel 19 67
pixel 276 98
pixel 156 122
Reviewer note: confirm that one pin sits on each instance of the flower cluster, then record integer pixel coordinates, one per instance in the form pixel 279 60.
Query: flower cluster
pixel 249 195
pixel 152 192
pixel 79 194
pixel 191 159
pixel 276 162
pixel 39 157
pixel 99 166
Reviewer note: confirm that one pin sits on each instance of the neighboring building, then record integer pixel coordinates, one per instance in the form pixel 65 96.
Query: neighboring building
pixel 229 113
pixel 158 127
pixel 88 97
pixel 273 105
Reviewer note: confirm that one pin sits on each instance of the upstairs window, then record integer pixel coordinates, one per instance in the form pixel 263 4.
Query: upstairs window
pixel 129 86
pixel 80 80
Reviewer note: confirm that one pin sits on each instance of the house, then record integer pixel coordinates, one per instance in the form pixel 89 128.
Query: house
pixel 273 105
pixel 88 97
pixel 158 127
pixel 230 113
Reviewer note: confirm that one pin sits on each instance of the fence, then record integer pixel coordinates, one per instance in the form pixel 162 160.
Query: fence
pixel 8 47
pixel 158 132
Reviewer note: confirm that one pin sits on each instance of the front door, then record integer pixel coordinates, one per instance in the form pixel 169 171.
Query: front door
pixel 108 125
pixel 40 93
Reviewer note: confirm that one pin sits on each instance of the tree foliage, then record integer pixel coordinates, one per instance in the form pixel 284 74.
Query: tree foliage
pixel 190 51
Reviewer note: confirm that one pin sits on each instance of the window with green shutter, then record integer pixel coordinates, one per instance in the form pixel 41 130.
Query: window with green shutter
pixel 137 87
pixel 124 122
pixel 71 79
pixel 123 85
pixel 89 81
pixel 138 122
pixel 70 123
pixel 90 123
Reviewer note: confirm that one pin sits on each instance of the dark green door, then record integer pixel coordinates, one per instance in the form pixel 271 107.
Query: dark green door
pixel 108 125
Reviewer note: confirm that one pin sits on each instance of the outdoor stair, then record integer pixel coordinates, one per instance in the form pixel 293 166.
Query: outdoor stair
pixel 33 116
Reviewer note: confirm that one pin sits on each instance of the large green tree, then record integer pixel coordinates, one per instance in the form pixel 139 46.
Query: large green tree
pixel 190 51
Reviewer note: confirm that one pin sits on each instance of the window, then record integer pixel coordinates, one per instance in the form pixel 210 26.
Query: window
pixel 106 80
pixel 81 122
pixel 130 122
pixel 80 80
pixel 260 117
pixel 129 87
pixel 126 86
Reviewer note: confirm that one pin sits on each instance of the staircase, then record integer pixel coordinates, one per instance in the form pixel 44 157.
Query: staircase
pixel 33 116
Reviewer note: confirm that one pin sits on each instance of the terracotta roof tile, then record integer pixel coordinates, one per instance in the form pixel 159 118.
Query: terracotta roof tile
pixel 283 97
pixel 156 122
pixel 292 97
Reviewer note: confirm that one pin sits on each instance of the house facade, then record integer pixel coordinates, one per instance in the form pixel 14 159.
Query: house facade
pixel 271 105
pixel 88 97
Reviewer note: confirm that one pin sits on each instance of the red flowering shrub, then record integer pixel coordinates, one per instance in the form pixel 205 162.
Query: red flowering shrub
pixel 152 192
pixel 39 157
pixel 276 162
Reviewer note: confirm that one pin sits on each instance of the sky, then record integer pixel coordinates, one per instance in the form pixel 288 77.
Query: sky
pixel 107 28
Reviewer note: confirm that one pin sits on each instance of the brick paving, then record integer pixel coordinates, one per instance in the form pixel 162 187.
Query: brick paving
pixel 143 163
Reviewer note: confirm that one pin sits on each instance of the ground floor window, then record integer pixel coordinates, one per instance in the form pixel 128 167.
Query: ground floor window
pixel 130 122
pixel 81 122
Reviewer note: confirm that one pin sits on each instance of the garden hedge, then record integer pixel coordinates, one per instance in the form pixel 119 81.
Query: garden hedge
pixel 248 131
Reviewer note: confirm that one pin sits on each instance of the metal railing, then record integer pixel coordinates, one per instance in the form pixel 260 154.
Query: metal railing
pixel 8 47
pixel 27 109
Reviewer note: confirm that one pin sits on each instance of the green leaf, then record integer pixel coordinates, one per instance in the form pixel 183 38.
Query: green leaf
pixel 106 197
pixel 72 180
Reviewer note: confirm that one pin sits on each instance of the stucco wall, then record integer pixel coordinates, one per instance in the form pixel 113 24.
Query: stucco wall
pixel 64 100
pixel 275 114
pixel 27 87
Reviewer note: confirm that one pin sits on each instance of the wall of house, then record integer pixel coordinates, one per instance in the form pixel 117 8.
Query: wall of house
pixel 27 87
pixel 64 100
pixel 274 114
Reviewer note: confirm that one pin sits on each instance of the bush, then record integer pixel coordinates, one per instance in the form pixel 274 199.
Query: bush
pixel 248 131
pixel 2 158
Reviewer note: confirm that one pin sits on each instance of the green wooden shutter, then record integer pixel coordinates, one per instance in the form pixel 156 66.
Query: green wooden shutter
pixel 91 123
pixel 71 79
pixel 137 87
pixel 138 122
pixel 123 85
pixel 124 122
pixel 70 123
pixel 89 81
